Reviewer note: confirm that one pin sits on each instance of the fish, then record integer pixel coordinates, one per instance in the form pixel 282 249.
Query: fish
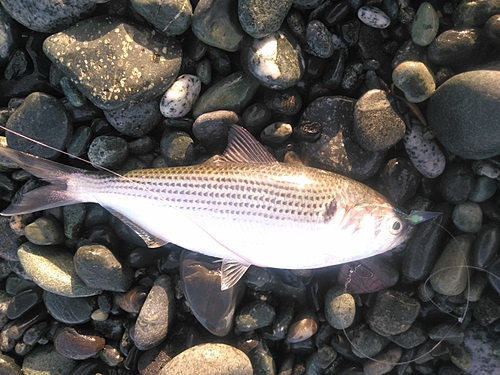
pixel 243 207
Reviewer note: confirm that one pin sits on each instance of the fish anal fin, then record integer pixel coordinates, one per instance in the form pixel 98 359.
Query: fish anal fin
pixel 151 240
pixel 243 148
pixel 231 272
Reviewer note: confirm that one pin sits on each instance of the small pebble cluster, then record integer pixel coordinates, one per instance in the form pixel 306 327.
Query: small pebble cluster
pixel 402 95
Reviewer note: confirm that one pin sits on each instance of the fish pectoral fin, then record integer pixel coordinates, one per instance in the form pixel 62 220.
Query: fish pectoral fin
pixel 231 272
pixel 150 240
pixel 243 148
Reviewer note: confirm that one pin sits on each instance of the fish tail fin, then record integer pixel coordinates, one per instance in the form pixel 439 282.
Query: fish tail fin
pixel 54 195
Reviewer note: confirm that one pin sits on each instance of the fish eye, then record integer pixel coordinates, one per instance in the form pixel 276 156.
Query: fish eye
pixel 395 226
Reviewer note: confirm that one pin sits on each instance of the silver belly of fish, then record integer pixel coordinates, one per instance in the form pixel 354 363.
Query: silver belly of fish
pixel 243 207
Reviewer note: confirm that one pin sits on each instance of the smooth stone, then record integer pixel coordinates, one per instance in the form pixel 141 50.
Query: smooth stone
pixel 177 148
pixel 319 40
pixel 286 102
pixel 475 12
pixel 41 117
pixel 486 245
pixel 416 335
pixel 392 313
pixel 108 151
pixel 179 99
pixel 466 127
pixel 48 16
pixel 494 275
pixel 335 148
pixel 211 129
pixel 455 183
pixel 10 241
pixel 157 312
pixel 461 358
pixel 450 275
pixel 366 343
pixel 68 310
pixel 73 218
pixel 71 92
pixel 254 315
pixel 136 120
pixel 204 71
pixel 209 359
pixel 75 344
pixel 44 359
pixel 425 25
pixel 319 361
pixel 276 133
pixel 99 268
pixel 259 18
pixel 398 180
pixel 487 309
pixel 220 61
pixel 415 80
pixel 484 188
pixel 213 308
pixel 45 230
pixel 340 308
pixel 8 366
pixel 304 326
pixel 142 146
pixel 447 332
pixel 216 24
pixel 383 363
pixel 52 269
pixel 284 315
pixel 111 356
pixel 424 153
pixel 232 93
pixel 479 282
pixel 492 30
pixel 376 125
pixel 373 17
pixel 458 47
pixel 123 79
pixel 23 302
pixel 467 217
pixel 368 275
pixel 335 13
pixel 80 141
pixel 170 17
pixel 275 61
pixel 8 41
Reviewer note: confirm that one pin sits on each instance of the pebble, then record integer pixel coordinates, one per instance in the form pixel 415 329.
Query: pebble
pixel 393 313
pixel 8 43
pixel 471 133
pixel 449 275
pixel 492 30
pixel 340 308
pixel 303 327
pixel 171 17
pixel 366 343
pixel 275 61
pixel 373 17
pixel 80 141
pixel 78 344
pixel 179 99
pixel 277 132
pixel 398 181
pixel 111 356
pixel 285 102
pixel 486 245
pixel 425 154
pixel 376 125
pixel 368 275
pixel 45 230
pixel 23 302
pixel 494 275
pixel 99 268
pixel 68 310
pixel 108 151
pixel 456 183
pixel 279 328
pixel 71 92
pixel 44 359
pixel 383 362
pixel 73 218
pixel 487 309
pixel 416 335
pixel 52 269
pixel 135 120
pixel 319 361
pixel 10 242
pixel 44 118
pixel 467 217
pixel 201 281
pixel 415 80
pixel 211 129
pixel 319 40
pixel 259 18
pixel 232 93
pixel 139 77
pixel 47 16
pixel 425 25
pixel 472 13
pixel 209 359
pixel 216 24
pixel 177 148
pixel 452 334
pixel 8 366
pixel 335 13
pixel 158 310
pixel 254 315
pixel 484 188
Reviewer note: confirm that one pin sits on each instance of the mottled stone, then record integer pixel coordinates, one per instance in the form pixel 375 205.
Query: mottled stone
pixel 44 359
pixel 467 217
pixel 415 80
pixel 340 308
pixel 475 12
pixel 254 315
pixel 8 366
pixel 7 39
pixel 181 96
pixel 177 148
pixel 108 151
pixel 425 25
pixel 45 230
pixel 373 17
pixel 68 310
pixel 135 120
pixel 261 17
pixel 171 17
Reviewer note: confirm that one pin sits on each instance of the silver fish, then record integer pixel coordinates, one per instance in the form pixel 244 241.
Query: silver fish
pixel 243 207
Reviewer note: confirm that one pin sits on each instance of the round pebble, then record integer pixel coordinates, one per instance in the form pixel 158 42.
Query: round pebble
pixel 261 17
pixel 211 129
pixel 467 217
pixel 277 132
pixel 178 100
pixel 373 17
pixel 319 39
pixel 108 151
pixel 171 18
pixel 492 29
pixel 135 120
pixel 71 343
pixel 177 148
pixel 486 245
pixel 45 230
pixel 415 80
pixel 305 325
pixel 484 188
pixel 340 308
pixel 254 315
pixel 68 310
pixel 399 181
pixel 455 183
pixel 425 25
pixel 44 359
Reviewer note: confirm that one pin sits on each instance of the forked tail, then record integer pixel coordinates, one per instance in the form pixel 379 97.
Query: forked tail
pixel 45 197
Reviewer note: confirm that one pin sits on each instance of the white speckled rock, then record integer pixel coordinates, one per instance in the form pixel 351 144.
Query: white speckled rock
pixel 373 17
pixel 180 97
pixel 424 153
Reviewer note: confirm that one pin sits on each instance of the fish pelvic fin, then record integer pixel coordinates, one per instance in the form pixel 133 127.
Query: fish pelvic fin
pixel 231 272
pixel 45 197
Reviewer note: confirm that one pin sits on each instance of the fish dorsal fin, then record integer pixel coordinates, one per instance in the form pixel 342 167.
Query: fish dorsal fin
pixel 231 272
pixel 242 147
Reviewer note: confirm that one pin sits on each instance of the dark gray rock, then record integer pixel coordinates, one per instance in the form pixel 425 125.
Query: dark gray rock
pixel 366 343
pixel 254 315
pixel 398 181
pixel 486 245
pixel 340 308
pixel 8 366
pixel 177 148
pixel 73 216
pixel 89 52
pixel 108 151
pixel 45 358
pixel 69 310
pixel 456 182
pixel 10 242
pixel 475 12
pixel 319 40
pixel 211 129
pixel 78 344
pixel 492 30
pixel 136 120
pixel 261 17
pixel 7 43
pixel 171 17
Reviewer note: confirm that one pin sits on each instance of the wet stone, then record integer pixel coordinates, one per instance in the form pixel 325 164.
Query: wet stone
pixel 45 230
pixel 368 275
pixel 366 343
pixel 467 217
pixel 275 61
pixel 254 315
pixel 41 117
pixel 110 356
pixel 319 39
pixel 373 17
pixel 211 129
pixel 177 148
pixel 73 216
pixel 108 151
pixel 8 366
pixel 340 308
pixel 99 268
pixel 456 183
pixel 285 102
pixel 171 17
pixel 71 92
pixel 415 80
pixel 23 302
pixel 279 328
pixel 383 363
pixel 453 334
pixel 392 313
pixel 399 180
pixel 484 188
pixel 77 51
pixel 52 269
pixel 10 241
pixel 68 310
pixel 425 25
pixel 376 125
pixel 80 141
pixel 78 344
pixel 209 359
pixel 181 96
pixel 492 29
pixel 486 245
pixel 7 44
pixel 320 360
pixel 305 325
pixel 156 314
pixel 261 17
pixel 135 120
pixel 413 337
pixel 44 359
pixel 276 133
